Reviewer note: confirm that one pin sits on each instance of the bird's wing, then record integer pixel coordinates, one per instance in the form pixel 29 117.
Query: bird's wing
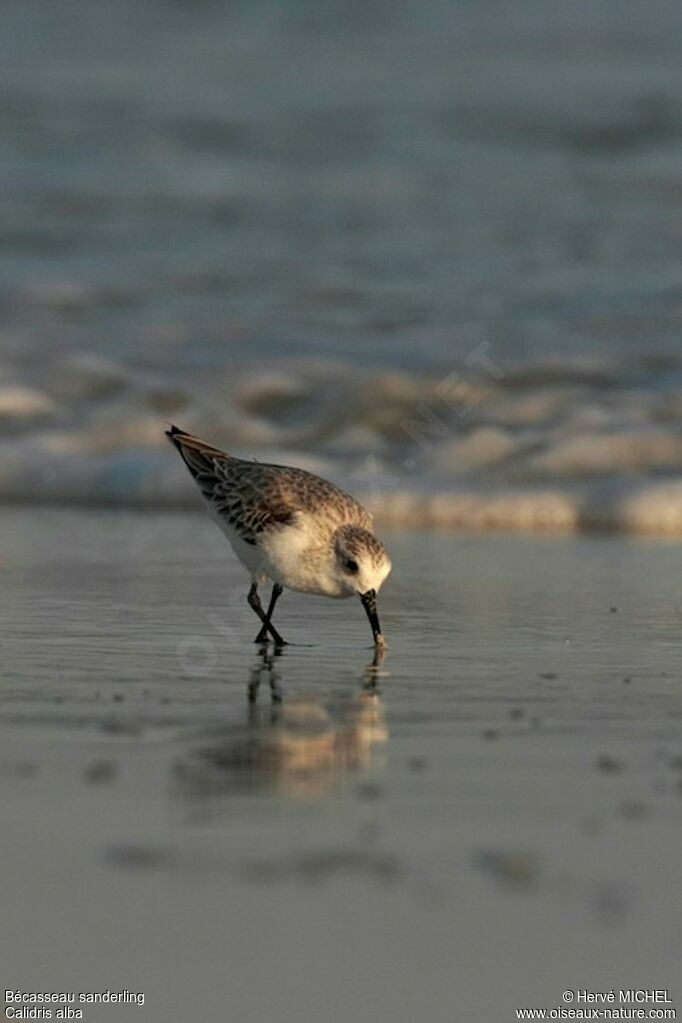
pixel 317 496
pixel 254 497
pixel 250 502
pixel 236 490
pixel 196 454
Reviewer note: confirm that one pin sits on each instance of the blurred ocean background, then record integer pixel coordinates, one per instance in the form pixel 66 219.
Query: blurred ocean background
pixel 431 250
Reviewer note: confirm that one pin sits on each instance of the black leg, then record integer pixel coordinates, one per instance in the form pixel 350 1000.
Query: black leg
pixel 254 602
pixel 277 592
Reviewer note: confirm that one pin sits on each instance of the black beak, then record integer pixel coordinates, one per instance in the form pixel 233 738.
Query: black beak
pixel 369 602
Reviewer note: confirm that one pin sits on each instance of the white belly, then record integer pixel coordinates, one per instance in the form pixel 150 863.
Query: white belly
pixel 294 559
pixel 289 556
pixel 250 555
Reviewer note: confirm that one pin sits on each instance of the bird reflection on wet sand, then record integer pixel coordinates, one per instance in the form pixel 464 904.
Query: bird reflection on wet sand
pixel 301 745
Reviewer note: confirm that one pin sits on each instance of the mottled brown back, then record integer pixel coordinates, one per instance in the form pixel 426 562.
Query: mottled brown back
pixel 255 497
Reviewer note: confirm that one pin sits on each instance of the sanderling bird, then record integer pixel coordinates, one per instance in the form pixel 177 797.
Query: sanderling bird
pixel 291 527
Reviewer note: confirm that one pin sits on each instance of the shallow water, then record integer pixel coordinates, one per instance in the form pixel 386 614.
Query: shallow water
pixel 489 817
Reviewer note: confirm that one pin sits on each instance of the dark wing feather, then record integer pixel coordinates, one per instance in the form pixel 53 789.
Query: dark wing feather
pixel 243 504
pixel 254 497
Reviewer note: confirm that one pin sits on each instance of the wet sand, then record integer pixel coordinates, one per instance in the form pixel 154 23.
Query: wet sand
pixel 489 818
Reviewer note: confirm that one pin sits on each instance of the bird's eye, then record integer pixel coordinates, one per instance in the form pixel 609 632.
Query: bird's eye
pixel 352 566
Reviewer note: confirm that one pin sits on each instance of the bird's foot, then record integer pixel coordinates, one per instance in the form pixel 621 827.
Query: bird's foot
pixel 264 635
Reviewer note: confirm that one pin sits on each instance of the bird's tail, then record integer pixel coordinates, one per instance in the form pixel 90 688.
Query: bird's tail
pixel 198 456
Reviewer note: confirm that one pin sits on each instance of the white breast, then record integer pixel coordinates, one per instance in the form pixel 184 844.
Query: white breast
pixel 295 559
pixel 289 555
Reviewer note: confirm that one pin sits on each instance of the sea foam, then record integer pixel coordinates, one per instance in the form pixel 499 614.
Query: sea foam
pixel 565 446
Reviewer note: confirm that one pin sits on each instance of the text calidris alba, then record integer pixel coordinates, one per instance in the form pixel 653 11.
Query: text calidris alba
pixel 289 526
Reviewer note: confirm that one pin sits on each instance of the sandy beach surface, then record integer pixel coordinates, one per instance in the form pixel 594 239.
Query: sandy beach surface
pixel 489 818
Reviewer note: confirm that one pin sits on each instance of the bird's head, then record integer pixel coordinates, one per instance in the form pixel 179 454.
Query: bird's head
pixel 362 561
pixel 362 564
